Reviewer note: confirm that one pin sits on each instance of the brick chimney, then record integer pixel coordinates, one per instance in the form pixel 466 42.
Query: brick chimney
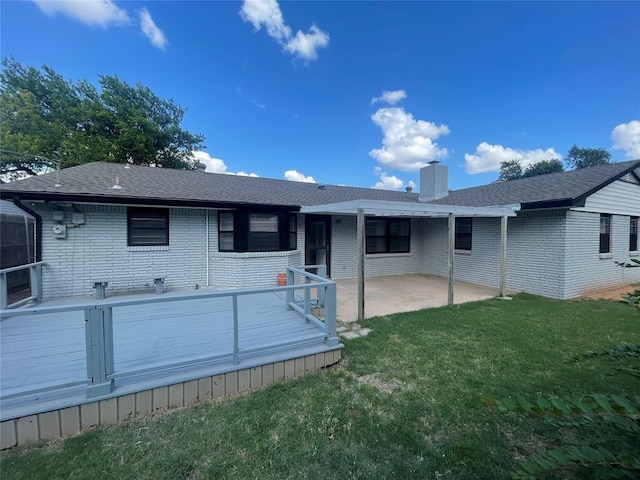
pixel 433 182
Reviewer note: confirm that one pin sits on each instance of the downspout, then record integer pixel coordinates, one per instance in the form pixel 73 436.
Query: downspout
pixel 38 243
pixel 206 212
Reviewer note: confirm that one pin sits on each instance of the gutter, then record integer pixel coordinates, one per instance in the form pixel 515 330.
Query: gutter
pixel 38 218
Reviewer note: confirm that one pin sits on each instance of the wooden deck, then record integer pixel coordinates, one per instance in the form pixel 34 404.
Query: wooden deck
pixel 162 342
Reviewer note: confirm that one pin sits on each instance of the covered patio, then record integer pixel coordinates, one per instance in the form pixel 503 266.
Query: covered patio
pixel 389 294
pixel 408 295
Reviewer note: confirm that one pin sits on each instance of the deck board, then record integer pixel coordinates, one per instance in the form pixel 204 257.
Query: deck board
pixel 41 350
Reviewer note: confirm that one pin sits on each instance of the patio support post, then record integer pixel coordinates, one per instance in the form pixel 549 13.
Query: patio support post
pixel 452 243
pixel 361 249
pixel 503 255
pixel 330 314
pixel 99 350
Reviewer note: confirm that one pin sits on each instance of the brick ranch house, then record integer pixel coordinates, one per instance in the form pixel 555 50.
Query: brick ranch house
pixel 102 220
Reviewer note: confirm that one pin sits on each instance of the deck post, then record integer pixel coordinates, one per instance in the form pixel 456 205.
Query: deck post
pixel 99 350
pixel 307 296
pixel 322 272
pixel 35 275
pixel 4 296
pixel 235 330
pixel 452 243
pixel 503 255
pixel 330 324
pixel 290 293
pixel 360 252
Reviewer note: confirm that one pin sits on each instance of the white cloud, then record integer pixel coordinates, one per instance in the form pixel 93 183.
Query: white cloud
pixel 489 157
pixel 626 136
pixel 295 176
pixel 217 165
pixel 389 182
pixel 151 30
pixel 91 12
pixel 259 105
pixel 267 13
pixel 306 45
pixel 408 144
pixel 390 96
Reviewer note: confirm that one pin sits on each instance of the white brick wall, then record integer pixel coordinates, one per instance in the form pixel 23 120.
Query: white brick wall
pixel 344 261
pixel 98 249
pixel 586 268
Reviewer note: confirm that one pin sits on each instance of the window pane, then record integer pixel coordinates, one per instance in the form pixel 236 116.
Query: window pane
pixel 376 226
pixel 605 233
pixel 226 222
pixel 399 244
pixel 226 241
pixel 264 241
pixel 293 241
pixel 376 245
pixel 263 222
pixel 399 227
pixel 633 234
pixel 293 223
pixel 463 233
pixel 148 226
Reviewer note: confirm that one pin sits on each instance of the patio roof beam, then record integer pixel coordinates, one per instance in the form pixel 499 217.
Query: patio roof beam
pixel 399 209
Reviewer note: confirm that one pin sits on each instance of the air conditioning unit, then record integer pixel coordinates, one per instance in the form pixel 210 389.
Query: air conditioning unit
pixel 60 231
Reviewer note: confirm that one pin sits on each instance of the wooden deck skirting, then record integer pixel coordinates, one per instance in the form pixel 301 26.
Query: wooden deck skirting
pixel 71 420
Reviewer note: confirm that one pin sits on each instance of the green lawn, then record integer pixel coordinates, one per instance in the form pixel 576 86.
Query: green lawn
pixel 405 402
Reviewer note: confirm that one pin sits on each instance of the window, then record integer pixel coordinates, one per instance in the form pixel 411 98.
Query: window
pixel 387 235
pixel 605 233
pixel 242 231
pixel 464 233
pixel 147 226
pixel 633 234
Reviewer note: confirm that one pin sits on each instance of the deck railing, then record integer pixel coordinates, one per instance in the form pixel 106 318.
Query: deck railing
pixel 99 339
pixel 35 284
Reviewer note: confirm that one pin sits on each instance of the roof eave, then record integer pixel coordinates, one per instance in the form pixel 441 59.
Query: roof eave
pixel 159 202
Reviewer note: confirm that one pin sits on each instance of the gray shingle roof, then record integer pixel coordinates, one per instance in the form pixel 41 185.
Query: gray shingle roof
pixel 564 188
pixel 158 186
pixel 146 185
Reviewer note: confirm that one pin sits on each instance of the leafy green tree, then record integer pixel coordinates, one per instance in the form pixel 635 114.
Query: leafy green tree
pixel 45 118
pixel 587 157
pixel 510 170
pixel 542 168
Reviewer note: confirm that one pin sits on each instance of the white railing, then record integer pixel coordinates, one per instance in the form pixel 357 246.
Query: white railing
pixel 99 344
pixel 35 284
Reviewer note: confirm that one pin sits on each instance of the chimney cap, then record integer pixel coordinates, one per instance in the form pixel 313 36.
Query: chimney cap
pixel 433 162
pixel 409 188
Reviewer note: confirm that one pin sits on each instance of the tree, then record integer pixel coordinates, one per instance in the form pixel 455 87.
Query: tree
pixel 545 166
pixel 587 157
pixel 510 170
pixel 46 118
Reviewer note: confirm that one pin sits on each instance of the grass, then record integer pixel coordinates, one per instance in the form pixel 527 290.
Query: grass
pixel 405 402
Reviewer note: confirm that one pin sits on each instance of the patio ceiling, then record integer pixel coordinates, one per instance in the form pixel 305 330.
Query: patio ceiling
pixel 406 209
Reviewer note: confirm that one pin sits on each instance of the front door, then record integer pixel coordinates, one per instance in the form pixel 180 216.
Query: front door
pixel 317 240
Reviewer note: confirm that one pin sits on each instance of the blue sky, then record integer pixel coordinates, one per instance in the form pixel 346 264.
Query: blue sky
pixel 360 93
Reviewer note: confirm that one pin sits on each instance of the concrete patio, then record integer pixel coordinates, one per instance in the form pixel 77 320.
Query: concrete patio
pixel 385 295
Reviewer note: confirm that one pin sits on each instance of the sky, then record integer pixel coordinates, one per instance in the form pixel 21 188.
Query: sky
pixel 359 93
